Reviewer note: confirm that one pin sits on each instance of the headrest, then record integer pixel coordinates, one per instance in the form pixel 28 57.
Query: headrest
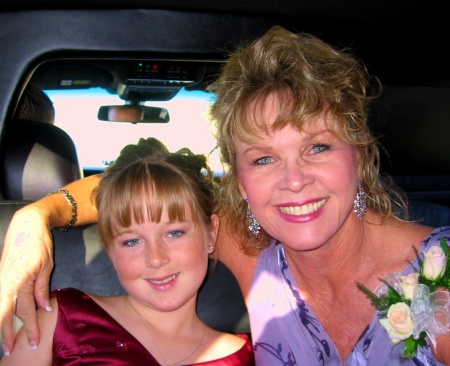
pixel 38 158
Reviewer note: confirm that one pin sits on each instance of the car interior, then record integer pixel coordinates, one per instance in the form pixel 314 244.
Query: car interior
pixel 147 54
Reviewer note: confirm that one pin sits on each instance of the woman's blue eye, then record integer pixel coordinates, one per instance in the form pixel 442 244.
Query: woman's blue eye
pixel 263 160
pixel 320 148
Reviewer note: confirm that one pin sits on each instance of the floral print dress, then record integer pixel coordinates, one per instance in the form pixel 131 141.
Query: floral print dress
pixel 286 332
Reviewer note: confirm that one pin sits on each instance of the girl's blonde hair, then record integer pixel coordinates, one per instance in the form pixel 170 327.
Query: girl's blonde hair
pixel 146 178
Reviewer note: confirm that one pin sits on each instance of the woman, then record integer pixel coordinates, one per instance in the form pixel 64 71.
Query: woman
pixel 157 225
pixel 291 116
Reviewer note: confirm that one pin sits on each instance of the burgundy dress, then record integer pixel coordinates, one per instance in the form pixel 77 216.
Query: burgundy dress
pixel 86 334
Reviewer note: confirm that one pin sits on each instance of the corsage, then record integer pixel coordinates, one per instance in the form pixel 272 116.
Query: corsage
pixel 416 306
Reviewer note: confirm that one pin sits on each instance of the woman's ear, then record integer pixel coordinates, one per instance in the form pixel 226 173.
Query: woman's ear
pixel 241 189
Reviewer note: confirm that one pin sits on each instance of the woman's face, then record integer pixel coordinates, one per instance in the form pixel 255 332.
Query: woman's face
pixel 301 185
pixel 163 264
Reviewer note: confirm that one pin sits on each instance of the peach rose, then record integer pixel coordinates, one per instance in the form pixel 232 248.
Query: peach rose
pixel 408 284
pixel 398 323
pixel 434 263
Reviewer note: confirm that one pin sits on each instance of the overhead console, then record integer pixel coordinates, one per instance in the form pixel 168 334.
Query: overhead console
pixel 158 80
pixel 135 80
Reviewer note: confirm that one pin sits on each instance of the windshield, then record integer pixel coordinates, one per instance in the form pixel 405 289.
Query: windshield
pixel 99 143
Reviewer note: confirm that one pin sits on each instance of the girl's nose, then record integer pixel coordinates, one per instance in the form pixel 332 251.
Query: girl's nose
pixel 156 255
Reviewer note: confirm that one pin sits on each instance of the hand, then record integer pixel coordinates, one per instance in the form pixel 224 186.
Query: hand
pixel 25 268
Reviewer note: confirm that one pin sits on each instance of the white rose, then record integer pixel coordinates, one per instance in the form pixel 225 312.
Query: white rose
pixel 408 284
pixel 398 323
pixel 434 263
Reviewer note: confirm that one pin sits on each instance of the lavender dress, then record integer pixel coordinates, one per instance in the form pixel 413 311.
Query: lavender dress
pixel 285 330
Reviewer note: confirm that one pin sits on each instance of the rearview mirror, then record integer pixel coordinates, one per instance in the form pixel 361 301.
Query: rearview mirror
pixel 133 114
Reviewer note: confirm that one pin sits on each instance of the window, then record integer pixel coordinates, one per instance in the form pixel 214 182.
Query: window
pixel 99 142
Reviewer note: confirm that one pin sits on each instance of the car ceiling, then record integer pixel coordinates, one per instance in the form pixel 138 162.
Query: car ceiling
pixel 395 29
pixel 400 41
pixel 381 10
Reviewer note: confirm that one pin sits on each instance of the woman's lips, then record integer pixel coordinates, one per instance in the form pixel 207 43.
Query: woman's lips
pixel 302 210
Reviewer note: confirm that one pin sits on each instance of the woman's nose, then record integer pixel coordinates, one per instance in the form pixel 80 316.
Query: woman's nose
pixel 295 176
pixel 156 255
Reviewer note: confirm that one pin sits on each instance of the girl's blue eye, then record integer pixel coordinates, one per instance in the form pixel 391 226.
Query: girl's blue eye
pixel 263 160
pixel 175 233
pixel 132 242
pixel 318 148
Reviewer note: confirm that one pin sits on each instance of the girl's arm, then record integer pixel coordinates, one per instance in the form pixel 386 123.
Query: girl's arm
pixel 38 356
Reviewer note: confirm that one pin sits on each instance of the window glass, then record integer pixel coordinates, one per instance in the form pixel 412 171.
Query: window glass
pixel 99 142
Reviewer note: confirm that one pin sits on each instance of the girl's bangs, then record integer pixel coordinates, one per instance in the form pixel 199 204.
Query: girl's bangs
pixel 143 197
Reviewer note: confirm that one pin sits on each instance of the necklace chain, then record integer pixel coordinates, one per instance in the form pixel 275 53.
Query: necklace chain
pixel 156 344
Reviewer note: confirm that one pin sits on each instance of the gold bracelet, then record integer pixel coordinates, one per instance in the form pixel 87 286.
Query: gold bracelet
pixel 72 204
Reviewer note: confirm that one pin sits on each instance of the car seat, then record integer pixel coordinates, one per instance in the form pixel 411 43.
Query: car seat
pixel 37 158
pixel 429 213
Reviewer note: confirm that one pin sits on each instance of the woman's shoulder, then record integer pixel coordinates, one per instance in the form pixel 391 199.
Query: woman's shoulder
pixel 435 237
pixel 402 236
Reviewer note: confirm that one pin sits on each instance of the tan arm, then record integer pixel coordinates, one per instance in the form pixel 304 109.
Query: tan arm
pixel 228 252
pixel 58 211
pixel 27 259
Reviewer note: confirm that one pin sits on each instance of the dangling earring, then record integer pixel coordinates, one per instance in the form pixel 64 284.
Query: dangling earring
pixel 253 224
pixel 360 202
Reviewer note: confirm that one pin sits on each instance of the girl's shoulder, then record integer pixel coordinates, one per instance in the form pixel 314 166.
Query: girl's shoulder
pixel 221 346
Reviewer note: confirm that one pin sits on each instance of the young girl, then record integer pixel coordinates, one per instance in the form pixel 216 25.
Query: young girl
pixel 157 225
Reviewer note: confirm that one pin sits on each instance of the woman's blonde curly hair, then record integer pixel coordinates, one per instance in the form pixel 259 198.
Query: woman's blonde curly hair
pixel 309 78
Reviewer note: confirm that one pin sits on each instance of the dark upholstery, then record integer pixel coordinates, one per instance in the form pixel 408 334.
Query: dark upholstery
pixel 412 124
pixel 429 213
pixel 7 210
pixel 37 158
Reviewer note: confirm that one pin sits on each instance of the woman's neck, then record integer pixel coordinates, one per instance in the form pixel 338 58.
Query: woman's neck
pixel 351 254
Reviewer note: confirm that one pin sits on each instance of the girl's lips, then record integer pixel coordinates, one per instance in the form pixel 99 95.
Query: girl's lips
pixel 163 281
pixel 302 210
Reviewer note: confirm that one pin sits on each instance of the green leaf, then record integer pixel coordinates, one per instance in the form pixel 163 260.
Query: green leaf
pixel 410 349
pixel 445 247
pixel 419 261
pixel 380 303
pixel 394 296
pixel 410 344
pixel 407 354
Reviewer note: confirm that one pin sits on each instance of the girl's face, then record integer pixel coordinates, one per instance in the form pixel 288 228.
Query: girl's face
pixel 163 264
pixel 301 185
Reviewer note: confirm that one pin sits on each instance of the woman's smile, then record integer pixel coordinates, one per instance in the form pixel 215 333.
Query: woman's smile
pixel 301 210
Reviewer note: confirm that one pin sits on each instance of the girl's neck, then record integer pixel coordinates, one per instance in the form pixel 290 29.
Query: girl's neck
pixel 178 321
